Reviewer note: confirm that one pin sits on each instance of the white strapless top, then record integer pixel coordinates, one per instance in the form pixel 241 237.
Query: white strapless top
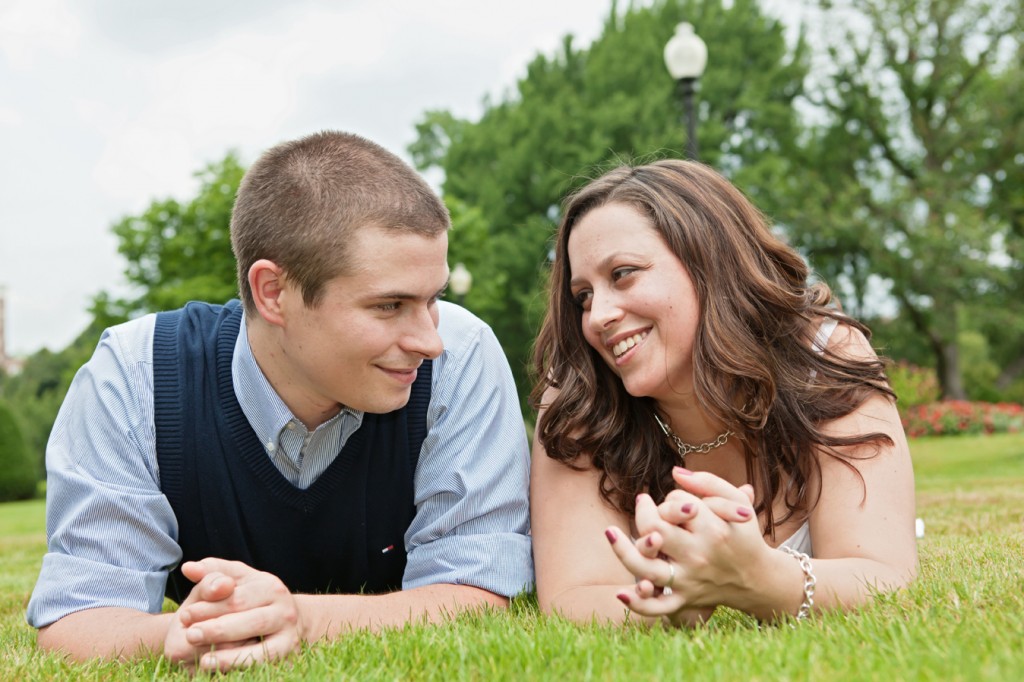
pixel 800 540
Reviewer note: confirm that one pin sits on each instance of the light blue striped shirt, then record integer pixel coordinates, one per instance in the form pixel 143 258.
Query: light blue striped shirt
pixel 112 536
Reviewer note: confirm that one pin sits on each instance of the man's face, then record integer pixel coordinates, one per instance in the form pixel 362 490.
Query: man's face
pixel 361 346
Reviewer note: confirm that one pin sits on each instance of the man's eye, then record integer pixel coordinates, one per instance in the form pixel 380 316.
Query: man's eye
pixel 389 307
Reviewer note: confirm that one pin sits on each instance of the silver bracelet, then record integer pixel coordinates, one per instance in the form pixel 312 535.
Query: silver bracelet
pixel 809 581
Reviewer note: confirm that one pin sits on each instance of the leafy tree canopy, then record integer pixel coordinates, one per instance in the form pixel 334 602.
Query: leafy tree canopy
pixel 914 174
pixel 583 109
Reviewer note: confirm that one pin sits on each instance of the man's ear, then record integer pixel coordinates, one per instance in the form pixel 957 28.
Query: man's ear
pixel 268 285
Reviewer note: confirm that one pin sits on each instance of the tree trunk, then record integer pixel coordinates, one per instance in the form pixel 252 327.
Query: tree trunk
pixel 950 377
pixel 944 346
pixel 1010 373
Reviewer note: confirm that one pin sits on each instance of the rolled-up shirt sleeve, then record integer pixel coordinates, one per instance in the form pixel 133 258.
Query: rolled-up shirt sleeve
pixel 472 481
pixel 111 534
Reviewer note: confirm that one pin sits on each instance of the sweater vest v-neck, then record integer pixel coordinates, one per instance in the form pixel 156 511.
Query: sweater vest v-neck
pixel 343 534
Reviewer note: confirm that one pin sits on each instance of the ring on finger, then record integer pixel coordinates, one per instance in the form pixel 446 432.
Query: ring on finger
pixel 667 589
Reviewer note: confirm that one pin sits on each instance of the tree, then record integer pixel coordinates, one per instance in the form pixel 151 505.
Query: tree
pixel 35 394
pixel 17 470
pixel 580 110
pixel 178 252
pixel 914 173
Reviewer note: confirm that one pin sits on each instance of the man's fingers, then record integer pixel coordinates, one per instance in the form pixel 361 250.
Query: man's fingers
pixel 213 587
pixel 239 626
pixel 234 569
pixel 240 599
pixel 269 649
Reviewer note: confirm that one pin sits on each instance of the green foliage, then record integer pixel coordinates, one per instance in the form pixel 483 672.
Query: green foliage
pixel 36 393
pixel 913 385
pixel 582 109
pixel 980 372
pixel 960 620
pixel 179 252
pixel 913 174
pixel 17 469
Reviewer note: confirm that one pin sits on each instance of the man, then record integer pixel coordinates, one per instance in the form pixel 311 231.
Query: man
pixel 341 450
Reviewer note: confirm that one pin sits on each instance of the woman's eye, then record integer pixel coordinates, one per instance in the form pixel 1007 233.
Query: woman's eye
pixel 619 273
pixel 582 299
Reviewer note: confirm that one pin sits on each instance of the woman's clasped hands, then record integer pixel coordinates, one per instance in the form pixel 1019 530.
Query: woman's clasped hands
pixel 700 548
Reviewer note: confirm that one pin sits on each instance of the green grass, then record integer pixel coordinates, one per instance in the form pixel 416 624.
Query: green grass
pixel 961 620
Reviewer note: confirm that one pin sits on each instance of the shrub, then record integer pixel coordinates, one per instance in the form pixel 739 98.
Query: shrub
pixel 17 471
pixel 954 417
pixel 913 385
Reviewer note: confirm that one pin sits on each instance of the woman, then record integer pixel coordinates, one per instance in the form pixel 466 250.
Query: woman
pixel 709 420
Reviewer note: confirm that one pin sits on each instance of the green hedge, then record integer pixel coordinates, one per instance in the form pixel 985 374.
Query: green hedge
pixel 17 470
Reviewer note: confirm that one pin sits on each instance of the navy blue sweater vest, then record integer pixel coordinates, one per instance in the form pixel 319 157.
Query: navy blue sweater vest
pixel 343 534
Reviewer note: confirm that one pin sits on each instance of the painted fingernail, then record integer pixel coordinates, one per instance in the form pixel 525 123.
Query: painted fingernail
pixel 687 508
pixel 650 542
pixel 624 598
pixel 744 512
pixel 682 472
pixel 610 534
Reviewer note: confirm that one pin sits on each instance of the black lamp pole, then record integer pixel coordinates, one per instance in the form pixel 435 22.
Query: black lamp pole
pixel 686 55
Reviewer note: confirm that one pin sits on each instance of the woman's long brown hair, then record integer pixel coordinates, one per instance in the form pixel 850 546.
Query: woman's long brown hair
pixel 754 366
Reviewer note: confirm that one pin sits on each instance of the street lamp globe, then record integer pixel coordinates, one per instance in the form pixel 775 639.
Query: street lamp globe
pixel 460 280
pixel 686 54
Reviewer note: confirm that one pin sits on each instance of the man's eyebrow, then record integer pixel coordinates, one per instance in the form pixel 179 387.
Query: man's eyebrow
pixel 405 295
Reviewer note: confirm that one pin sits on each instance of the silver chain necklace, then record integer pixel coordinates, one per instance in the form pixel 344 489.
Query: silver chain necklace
pixel 686 448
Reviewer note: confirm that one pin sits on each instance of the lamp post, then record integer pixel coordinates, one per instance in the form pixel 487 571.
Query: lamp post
pixel 686 55
pixel 460 280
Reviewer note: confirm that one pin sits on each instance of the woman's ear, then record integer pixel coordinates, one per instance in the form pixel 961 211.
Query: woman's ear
pixel 268 285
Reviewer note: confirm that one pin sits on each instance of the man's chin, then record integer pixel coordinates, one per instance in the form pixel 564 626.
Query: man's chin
pixel 384 405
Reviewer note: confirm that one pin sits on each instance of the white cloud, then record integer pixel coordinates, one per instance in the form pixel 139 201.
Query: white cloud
pixel 10 117
pixel 29 27
pixel 236 91
pixel 109 104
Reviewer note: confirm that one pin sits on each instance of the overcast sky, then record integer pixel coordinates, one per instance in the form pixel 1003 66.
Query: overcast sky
pixel 106 105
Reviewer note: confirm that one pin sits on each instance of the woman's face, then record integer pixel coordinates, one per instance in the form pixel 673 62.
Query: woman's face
pixel 639 307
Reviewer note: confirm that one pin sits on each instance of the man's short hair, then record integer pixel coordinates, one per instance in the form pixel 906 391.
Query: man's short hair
pixel 301 202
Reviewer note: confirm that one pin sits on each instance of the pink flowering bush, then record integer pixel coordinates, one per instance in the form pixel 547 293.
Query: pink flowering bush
pixel 954 417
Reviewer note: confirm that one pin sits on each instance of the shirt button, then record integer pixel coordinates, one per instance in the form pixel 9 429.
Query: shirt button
pixel 271 447
pixel 291 426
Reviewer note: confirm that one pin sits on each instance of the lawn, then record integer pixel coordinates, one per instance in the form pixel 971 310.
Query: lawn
pixel 962 620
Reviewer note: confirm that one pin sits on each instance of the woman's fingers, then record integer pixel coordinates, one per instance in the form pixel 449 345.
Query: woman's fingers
pixel 659 605
pixel 704 484
pixel 650 545
pixel 644 568
pixel 729 510
pixel 679 507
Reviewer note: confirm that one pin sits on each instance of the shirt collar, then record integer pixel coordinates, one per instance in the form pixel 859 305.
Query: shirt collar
pixel 262 406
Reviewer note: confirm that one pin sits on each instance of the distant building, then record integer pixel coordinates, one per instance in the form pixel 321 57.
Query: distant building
pixel 8 364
